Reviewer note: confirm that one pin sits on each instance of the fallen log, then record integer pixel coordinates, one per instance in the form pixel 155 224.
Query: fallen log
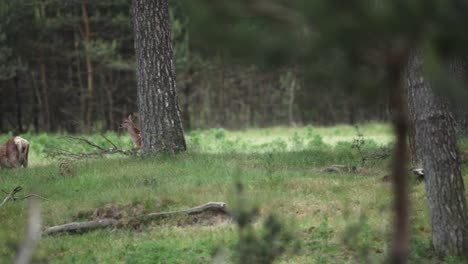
pixel 213 206
pixel 82 227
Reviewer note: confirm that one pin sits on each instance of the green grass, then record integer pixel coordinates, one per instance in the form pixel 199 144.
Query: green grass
pixel 334 218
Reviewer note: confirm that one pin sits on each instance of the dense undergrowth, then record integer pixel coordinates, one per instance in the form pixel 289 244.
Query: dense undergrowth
pixel 290 204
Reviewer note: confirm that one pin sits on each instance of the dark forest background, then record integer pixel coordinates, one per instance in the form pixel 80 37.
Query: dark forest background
pixel 70 66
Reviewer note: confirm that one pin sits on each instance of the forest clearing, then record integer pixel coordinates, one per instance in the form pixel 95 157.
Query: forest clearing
pixel 333 217
pixel 249 131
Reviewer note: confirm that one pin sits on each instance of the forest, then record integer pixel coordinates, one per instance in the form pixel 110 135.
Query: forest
pixel 70 66
pixel 250 131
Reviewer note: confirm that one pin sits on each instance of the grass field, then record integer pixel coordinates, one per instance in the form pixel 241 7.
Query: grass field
pixel 331 217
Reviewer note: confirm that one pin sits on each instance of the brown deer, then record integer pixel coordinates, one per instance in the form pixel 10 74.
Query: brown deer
pixel 14 153
pixel 132 129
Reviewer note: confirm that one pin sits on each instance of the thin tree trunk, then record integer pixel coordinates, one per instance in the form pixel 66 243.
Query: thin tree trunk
pixel 110 100
pixel 80 83
pixel 37 103
pixel 19 105
pixel 436 139
pixel 44 94
pixel 222 110
pixel 188 97
pixel 396 60
pixel 292 88
pixel 159 113
pixel 89 68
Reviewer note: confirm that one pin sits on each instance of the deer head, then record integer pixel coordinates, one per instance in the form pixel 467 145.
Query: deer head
pixel 14 153
pixel 129 124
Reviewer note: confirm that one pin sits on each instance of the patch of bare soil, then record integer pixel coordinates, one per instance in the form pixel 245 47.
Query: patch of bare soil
pixel 111 211
pixel 208 218
pixel 134 216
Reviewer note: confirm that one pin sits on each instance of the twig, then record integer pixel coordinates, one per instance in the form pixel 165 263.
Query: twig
pixel 220 206
pixel 110 142
pixel 358 142
pixel 98 152
pixel 11 195
pixel 89 142
pixel 33 195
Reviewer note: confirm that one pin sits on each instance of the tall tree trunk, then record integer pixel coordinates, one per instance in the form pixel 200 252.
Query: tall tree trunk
pixel 187 91
pixel 37 106
pixel 19 105
pixel 44 95
pixel 395 64
pixel 458 69
pixel 110 100
pixel 222 109
pixel 89 68
pixel 435 137
pixel 82 113
pixel 292 88
pixel 159 113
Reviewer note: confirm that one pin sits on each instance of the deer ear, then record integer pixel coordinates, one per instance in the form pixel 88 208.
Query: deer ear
pixel 130 116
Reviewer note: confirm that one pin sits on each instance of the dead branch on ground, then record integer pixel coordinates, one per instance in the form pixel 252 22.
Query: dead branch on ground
pixel 98 151
pixel 82 227
pixel 12 196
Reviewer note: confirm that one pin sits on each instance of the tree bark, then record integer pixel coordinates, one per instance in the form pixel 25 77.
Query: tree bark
pixel 435 138
pixel 159 112
pixel 413 149
pixel 458 68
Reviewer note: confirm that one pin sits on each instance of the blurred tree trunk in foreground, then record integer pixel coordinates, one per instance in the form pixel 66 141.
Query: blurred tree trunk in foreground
pixel 159 113
pixel 395 60
pixel 435 140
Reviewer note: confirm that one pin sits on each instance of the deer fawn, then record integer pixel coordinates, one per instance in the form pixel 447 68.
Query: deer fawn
pixel 133 130
pixel 14 153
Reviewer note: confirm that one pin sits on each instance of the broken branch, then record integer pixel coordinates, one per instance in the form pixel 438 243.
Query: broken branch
pixel 11 195
pixel 98 152
pixel 81 227
pixel 213 206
